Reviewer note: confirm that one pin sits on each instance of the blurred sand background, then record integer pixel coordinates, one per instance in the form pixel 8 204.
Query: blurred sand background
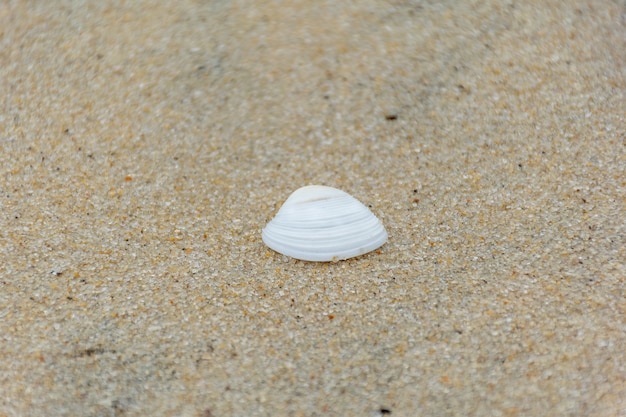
pixel 144 145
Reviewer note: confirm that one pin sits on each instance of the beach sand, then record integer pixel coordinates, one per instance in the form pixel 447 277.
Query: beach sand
pixel 145 144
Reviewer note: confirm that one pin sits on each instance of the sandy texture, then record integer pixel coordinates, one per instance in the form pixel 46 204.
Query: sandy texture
pixel 143 146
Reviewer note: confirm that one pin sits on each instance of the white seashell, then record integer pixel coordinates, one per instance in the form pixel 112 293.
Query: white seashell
pixel 318 223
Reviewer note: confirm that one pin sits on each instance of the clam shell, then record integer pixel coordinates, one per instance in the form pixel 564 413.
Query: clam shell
pixel 318 223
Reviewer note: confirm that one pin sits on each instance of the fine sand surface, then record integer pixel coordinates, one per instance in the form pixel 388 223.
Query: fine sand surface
pixel 145 144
